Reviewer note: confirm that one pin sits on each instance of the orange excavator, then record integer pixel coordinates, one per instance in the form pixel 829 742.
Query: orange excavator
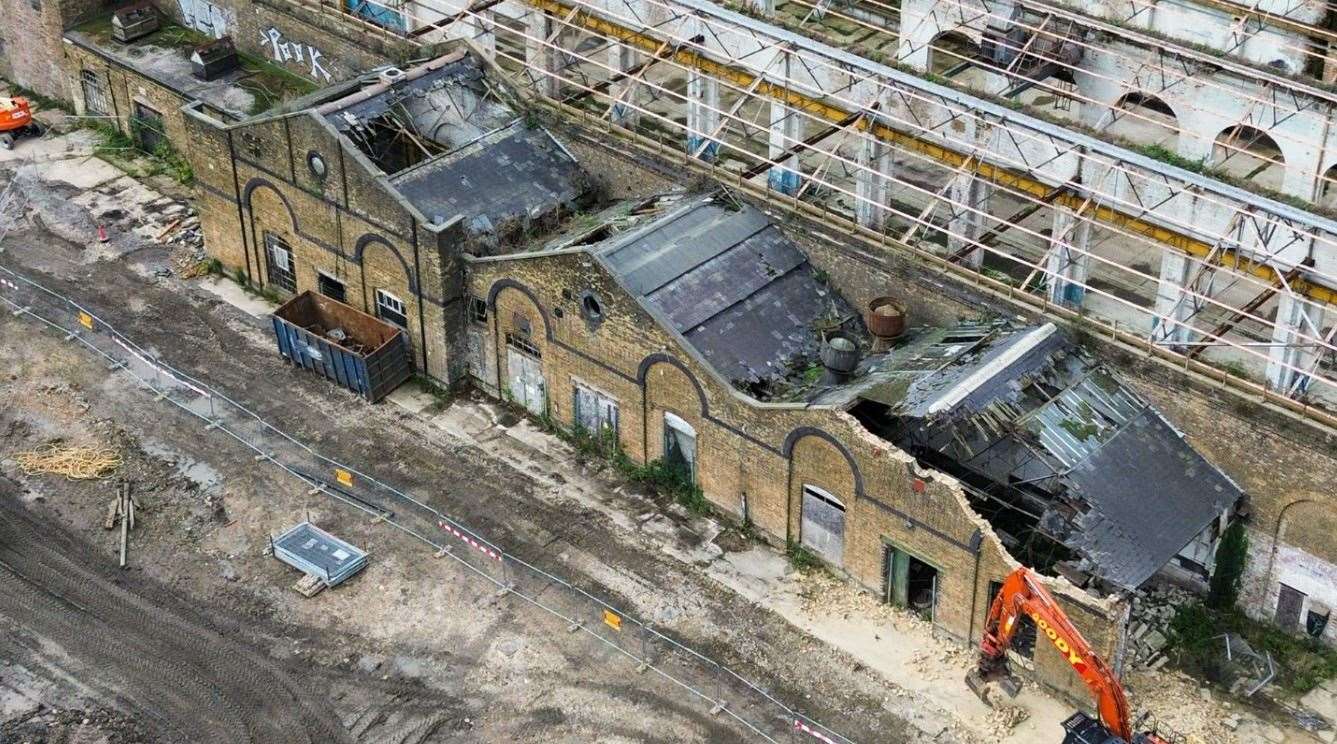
pixel 1023 595
pixel 15 120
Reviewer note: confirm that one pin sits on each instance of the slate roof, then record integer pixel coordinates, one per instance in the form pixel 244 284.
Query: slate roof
pixel 511 174
pixel 726 278
pixel 496 169
pixel 1114 481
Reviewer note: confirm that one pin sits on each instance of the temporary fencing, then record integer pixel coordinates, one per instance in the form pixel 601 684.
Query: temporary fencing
pixel 649 650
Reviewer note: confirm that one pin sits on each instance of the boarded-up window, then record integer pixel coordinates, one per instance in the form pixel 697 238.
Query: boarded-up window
pixel 823 528
pixel 595 413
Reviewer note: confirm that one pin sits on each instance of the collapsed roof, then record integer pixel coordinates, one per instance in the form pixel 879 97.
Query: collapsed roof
pixel 452 145
pixel 1052 441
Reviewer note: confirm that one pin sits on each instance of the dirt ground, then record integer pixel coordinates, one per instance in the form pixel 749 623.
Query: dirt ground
pixel 203 639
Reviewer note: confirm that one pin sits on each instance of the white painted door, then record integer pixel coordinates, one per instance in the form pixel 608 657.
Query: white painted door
pixel 526 376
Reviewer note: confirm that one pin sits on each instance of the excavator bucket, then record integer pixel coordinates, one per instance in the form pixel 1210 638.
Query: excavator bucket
pixel 978 685
pixel 982 683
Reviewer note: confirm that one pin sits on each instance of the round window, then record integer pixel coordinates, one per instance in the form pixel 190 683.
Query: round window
pixel 593 310
pixel 316 164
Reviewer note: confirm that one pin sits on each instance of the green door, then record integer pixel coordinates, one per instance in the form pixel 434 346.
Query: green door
pixel 898 576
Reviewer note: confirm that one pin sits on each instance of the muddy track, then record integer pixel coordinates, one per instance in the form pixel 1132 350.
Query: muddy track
pixel 122 632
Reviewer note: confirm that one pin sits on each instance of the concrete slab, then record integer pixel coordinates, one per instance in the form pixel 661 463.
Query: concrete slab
pixel 463 421
pixel 228 291
pixel 76 144
pixel 412 397
pixel 81 172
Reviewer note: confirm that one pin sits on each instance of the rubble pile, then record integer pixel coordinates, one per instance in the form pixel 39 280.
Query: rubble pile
pixel 1149 625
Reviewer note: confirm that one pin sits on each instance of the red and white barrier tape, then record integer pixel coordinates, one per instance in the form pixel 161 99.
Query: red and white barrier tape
pixel 805 728
pixel 485 550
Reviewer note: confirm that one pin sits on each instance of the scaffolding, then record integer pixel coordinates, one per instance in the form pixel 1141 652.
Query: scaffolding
pixel 1034 207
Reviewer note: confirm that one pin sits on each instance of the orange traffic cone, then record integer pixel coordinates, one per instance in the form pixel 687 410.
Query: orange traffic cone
pixel 101 234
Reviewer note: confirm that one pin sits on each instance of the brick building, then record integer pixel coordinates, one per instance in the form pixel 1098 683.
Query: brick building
pixel 363 193
pixel 372 190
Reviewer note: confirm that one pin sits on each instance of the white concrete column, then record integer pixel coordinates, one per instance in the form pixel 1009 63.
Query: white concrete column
pixel 624 112
pixel 1295 317
pixel 1068 264
pixel 786 131
pixel 872 187
pixel 485 33
pixel 703 114
pixel 1173 305
pixel 968 200
pixel 540 57
pixel 918 27
pixel 1298 178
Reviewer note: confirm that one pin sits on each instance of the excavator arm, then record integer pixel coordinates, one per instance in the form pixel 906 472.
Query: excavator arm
pixel 1023 595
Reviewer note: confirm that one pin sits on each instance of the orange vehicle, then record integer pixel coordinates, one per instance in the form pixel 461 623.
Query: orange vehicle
pixel 1023 595
pixel 15 120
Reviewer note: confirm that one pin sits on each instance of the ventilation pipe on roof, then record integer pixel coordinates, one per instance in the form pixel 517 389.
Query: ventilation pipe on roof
pixel 392 76
pixel 840 355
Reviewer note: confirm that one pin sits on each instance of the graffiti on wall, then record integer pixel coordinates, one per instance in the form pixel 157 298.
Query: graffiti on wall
pixel 207 18
pixel 285 51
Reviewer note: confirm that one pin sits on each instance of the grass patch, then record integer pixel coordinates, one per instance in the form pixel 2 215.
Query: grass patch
pixel 801 558
pixel 656 475
pixel 1195 630
pixel 268 293
pixel 1165 155
pixel 440 393
pixel 269 84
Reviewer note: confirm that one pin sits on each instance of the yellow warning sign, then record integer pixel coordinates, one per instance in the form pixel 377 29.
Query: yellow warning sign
pixel 344 477
pixel 612 620
pixel 86 320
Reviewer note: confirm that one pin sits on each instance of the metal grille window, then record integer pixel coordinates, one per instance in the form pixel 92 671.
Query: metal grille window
pixel 522 343
pixel 146 127
pixel 282 270
pixel 391 308
pixel 95 96
pixel 478 310
pixel 331 287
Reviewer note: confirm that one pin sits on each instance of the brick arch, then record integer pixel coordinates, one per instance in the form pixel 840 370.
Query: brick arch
pixel 498 342
pixel 1278 530
pixel 261 274
pixel 261 183
pixel 810 431
pixel 360 248
pixel 661 358
pixel 502 284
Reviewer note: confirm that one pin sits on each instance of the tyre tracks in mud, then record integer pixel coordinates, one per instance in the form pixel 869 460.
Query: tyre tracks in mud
pixel 161 659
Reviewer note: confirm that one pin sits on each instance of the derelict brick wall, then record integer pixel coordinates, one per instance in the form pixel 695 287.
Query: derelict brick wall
pixel 125 88
pixel 343 46
pixel 742 446
pixel 30 41
pixel 360 236
pixel 1285 466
